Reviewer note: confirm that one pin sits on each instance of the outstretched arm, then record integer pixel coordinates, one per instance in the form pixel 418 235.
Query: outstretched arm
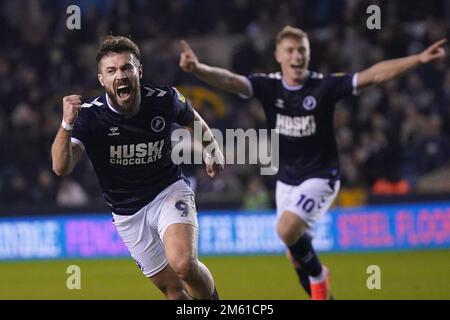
pixel 391 69
pixel 216 77
pixel 213 157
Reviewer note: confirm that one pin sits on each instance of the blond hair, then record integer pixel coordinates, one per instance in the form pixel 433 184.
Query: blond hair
pixel 290 32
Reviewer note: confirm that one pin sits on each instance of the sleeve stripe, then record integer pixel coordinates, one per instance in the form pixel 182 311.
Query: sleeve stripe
pixel 249 87
pixel 355 92
pixel 78 142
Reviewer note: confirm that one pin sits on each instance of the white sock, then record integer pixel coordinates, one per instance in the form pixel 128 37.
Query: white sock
pixel 318 278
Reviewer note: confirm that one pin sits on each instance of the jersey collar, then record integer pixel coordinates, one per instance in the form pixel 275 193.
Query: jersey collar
pixel 108 102
pixel 297 87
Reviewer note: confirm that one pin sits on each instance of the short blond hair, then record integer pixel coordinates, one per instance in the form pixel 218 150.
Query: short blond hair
pixel 290 32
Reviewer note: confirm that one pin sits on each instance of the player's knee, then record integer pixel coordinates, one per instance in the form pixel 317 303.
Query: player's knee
pixel 185 267
pixel 288 233
pixel 285 233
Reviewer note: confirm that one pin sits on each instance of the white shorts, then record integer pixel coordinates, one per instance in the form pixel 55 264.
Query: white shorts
pixel 143 232
pixel 309 200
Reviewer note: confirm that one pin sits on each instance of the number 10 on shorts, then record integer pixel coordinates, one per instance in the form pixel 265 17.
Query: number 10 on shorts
pixel 306 204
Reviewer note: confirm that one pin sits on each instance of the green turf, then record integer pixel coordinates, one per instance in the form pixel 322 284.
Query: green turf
pixel 404 275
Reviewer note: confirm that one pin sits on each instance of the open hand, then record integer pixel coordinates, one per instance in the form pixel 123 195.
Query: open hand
pixel 188 59
pixel 434 52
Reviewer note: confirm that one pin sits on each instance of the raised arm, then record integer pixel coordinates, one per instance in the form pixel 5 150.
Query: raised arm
pixel 216 77
pixel 213 157
pixel 391 69
pixel 66 154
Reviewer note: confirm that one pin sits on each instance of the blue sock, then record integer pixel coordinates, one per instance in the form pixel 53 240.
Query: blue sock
pixel 304 253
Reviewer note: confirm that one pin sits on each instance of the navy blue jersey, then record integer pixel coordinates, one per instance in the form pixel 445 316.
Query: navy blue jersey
pixel 303 117
pixel 132 157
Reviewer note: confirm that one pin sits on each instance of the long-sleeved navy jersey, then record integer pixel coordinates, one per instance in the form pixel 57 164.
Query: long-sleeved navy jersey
pixel 132 157
pixel 303 117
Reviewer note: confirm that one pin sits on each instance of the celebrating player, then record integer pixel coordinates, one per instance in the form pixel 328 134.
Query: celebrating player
pixel 300 103
pixel 126 135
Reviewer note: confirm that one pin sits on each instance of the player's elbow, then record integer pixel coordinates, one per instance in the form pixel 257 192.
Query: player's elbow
pixel 239 85
pixel 60 171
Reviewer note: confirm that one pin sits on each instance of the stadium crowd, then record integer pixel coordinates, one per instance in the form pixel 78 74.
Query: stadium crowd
pixel 389 137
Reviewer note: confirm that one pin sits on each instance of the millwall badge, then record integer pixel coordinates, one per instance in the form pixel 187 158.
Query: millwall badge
pixel 309 103
pixel 158 124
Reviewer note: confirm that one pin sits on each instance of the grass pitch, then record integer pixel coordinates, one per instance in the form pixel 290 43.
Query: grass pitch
pixel 404 275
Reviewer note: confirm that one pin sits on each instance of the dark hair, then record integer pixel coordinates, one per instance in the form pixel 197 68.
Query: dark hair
pixel 117 44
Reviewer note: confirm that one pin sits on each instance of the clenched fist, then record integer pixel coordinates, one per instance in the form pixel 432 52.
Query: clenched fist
pixel 214 163
pixel 188 59
pixel 71 108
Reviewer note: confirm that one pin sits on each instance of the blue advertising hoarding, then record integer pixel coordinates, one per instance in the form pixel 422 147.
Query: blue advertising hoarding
pixel 234 232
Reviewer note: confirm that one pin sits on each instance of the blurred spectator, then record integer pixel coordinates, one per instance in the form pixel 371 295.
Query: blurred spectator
pixel 226 182
pixel 245 59
pixel 256 196
pixel 433 150
pixel 45 189
pixel 71 194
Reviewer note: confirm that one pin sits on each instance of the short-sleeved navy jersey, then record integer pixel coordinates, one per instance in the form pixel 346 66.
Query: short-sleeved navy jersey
pixel 132 157
pixel 303 116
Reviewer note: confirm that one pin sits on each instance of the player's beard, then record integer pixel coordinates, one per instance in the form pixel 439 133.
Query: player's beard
pixel 130 106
